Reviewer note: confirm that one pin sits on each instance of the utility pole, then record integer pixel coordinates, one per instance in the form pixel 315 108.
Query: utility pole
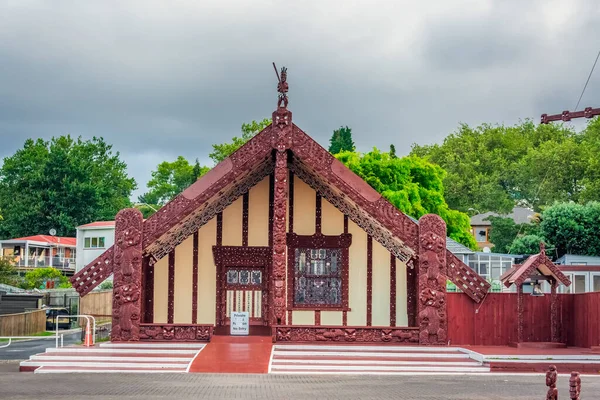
pixel 589 112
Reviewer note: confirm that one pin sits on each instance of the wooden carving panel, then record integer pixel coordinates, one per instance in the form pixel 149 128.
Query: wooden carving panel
pixel 432 316
pixel 127 282
pixel 361 334
pixel 175 332
pixel 94 273
pixel 279 237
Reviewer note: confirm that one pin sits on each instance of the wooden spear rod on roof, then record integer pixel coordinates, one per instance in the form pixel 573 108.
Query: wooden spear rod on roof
pixel 589 112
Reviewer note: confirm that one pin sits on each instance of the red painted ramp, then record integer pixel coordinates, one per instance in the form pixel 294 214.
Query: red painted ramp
pixel 234 354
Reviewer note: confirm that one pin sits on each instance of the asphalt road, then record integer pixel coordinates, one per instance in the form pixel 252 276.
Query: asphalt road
pixel 21 350
pixel 14 385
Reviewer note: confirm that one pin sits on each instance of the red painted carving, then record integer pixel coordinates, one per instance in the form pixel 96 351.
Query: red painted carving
pixel 279 237
pixel 176 332
pixel 127 281
pixel 466 279
pixel 148 285
pixel 392 290
pixel 361 334
pixel 369 280
pixel 432 317
pixel 554 308
pixel 245 205
pixel 171 288
pixel 94 273
pixel 574 386
pixel 412 267
pixel 317 317
pixel 195 279
pixel 551 376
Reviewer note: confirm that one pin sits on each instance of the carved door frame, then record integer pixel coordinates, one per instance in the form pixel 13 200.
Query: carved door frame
pixel 227 257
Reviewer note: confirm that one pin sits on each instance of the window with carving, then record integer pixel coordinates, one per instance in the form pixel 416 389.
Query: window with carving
pixel 243 277
pixel 318 277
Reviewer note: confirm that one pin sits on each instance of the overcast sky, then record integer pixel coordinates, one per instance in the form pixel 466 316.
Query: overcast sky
pixel 159 79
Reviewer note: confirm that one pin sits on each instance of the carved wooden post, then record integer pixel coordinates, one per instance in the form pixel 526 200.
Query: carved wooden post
pixel 520 313
pixel 279 237
pixel 432 318
pixel 554 320
pixel 127 279
pixel 412 298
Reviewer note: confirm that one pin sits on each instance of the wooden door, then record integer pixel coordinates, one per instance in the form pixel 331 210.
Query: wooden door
pixel 244 289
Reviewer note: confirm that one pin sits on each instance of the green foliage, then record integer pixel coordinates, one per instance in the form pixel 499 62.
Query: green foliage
pixel 35 279
pixel 572 228
pixel 491 168
pixel 8 273
pixel 170 179
pixel 413 185
pixel 393 151
pixel 249 130
pixel 60 184
pixel 504 231
pixel 106 285
pixel 527 244
pixel 341 140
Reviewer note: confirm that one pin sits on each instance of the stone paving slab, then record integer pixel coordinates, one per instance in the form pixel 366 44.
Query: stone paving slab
pixel 225 386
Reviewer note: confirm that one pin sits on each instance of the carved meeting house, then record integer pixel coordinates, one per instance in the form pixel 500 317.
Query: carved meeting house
pixel 284 231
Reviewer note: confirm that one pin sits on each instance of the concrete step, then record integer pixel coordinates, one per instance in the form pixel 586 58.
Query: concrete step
pixel 115 364
pixel 163 345
pixel 88 370
pixel 107 350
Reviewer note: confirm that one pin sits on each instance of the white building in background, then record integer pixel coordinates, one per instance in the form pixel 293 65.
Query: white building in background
pixel 92 240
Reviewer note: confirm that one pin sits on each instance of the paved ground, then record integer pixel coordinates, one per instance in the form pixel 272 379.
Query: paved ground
pixel 207 386
pixel 21 350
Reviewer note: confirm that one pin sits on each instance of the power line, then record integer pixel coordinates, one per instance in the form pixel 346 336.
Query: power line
pixel 588 79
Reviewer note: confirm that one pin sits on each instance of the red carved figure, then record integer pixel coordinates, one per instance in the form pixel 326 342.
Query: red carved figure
pixel 282 87
pixel 551 376
pixel 127 280
pixel 574 386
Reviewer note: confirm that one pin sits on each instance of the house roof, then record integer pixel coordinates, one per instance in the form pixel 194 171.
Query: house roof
pixel 518 214
pixel 451 244
pixel 535 264
pixel 246 167
pixel 55 240
pixel 98 224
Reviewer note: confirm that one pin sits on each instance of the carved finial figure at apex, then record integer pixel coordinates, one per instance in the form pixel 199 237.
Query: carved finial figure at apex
pixel 282 87
pixel 542 248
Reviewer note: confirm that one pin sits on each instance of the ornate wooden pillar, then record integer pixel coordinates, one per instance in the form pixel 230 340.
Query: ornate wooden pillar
pixel 412 299
pixel 554 306
pixel 520 313
pixel 127 279
pixel 279 238
pixel 432 314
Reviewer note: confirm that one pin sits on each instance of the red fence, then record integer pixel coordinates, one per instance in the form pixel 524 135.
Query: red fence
pixel 494 322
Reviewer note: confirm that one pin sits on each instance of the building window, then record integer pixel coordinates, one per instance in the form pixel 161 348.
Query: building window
pixel 318 271
pixel 318 277
pixel 481 235
pixel 93 243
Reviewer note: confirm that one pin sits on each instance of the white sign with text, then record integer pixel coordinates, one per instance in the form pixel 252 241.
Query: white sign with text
pixel 240 323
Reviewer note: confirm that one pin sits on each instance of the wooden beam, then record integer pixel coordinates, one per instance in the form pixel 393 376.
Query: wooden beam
pixel 588 112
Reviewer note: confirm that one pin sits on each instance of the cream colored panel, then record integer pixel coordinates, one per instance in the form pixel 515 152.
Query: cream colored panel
pixel 303 317
pixel 161 290
pixel 357 276
pixel 331 318
pixel 232 224
pixel 207 238
pixel 258 214
pixel 304 208
pixel 182 310
pixel 332 219
pixel 401 307
pixel 381 286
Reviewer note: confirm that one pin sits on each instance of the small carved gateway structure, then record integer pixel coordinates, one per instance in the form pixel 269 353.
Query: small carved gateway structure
pixel 283 230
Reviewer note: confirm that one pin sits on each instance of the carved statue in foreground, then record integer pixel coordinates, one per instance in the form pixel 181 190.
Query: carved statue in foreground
pixel 574 386
pixel 551 376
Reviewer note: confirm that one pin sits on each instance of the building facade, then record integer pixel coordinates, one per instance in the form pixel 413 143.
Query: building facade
pixel 92 240
pixel 40 251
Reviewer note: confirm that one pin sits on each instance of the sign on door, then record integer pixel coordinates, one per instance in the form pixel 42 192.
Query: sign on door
pixel 240 323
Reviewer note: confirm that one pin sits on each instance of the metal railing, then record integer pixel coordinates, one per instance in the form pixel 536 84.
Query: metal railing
pixel 87 317
pixel 43 261
pixel 10 339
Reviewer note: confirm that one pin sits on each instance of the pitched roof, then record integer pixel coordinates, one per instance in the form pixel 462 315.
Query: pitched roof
pixel 518 214
pixel 56 240
pixel 246 167
pixel 98 224
pixel 536 263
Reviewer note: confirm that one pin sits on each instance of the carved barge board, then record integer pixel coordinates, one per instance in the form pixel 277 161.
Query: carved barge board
pixel 345 334
pixel 176 332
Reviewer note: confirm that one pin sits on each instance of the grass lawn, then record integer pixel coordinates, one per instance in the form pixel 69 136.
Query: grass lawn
pixel 44 333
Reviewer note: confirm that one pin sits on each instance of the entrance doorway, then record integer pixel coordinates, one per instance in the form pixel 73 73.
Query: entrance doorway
pixel 243 286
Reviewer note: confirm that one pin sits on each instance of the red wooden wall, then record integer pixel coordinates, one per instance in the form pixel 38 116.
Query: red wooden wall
pixel 494 322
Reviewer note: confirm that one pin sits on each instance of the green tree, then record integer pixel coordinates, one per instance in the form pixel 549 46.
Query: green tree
pixel 504 231
pixel 341 140
pixel 8 273
pixel 249 130
pixel 60 184
pixel 528 244
pixel 572 228
pixel 170 179
pixel 491 167
pixel 413 185
pixel 106 285
pixel 393 151
pixel 35 279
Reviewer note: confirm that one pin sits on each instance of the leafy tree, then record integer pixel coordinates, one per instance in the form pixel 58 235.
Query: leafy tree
pixel 392 151
pixel 413 185
pixel 504 231
pixel 249 130
pixel 527 244
pixel 493 167
pixel 8 273
pixel 60 184
pixel 572 228
pixel 106 285
pixel 35 279
pixel 341 140
pixel 170 179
